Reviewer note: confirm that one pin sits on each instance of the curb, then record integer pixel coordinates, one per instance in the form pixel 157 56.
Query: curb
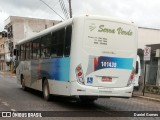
pixel 8 73
pixel 148 98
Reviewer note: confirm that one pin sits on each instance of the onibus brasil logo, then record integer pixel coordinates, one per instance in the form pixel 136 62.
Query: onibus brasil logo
pixel 92 27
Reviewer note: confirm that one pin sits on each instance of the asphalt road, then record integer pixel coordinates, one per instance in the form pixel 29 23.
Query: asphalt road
pixel 13 98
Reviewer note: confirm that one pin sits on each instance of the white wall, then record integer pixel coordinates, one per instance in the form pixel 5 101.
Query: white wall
pixel 148 36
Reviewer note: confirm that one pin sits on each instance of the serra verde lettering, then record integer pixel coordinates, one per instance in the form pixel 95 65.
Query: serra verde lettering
pixel 123 32
pixel 119 30
pixel 107 30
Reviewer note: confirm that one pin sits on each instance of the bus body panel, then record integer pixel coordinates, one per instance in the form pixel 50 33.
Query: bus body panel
pixel 103 49
pixel 81 90
pixel 24 70
pixel 59 87
pixel 116 44
pixel 56 71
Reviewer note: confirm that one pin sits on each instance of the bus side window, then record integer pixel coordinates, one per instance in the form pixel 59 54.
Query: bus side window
pixel 28 51
pixel 36 49
pixel 68 41
pixel 22 52
pixel 46 46
pixel 60 42
pixel 137 66
pixel 17 52
pixel 53 45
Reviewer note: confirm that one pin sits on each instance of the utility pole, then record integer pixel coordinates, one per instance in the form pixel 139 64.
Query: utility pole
pixel 70 9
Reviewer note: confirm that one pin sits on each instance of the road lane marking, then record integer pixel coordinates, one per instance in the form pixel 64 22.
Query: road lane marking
pixel 13 110
pixel 5 103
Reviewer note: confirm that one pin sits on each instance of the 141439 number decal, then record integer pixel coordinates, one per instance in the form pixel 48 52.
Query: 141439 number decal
pixel 109 64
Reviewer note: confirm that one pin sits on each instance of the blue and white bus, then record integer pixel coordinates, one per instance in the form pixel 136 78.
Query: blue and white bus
pixel 86 56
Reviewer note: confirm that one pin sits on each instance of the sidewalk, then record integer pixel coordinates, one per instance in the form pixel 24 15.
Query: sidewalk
pixel 7 73
pixel 148 96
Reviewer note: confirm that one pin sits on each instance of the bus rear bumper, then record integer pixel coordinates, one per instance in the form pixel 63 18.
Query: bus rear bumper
pixel 111 92
pixel 124 92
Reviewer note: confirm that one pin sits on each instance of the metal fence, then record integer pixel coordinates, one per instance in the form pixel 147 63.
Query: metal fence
pixel 151 82
pixel 151 74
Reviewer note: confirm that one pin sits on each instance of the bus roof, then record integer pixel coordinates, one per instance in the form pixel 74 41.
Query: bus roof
pixel 68 22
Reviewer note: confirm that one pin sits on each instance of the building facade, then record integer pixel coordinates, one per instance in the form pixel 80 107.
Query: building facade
pixel 22 27
pixel 151 38
pixel 147 36
pixel 3 37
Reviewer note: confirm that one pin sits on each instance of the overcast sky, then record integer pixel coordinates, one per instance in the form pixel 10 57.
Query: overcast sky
pixel 145 13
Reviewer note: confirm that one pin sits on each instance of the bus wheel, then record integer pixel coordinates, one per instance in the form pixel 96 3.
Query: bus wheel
pixel 46 93
pixel 23 84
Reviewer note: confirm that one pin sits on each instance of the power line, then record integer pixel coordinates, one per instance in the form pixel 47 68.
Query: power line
pixel 51 9
pixel 64 10
pixel 39 6
pixel 67 12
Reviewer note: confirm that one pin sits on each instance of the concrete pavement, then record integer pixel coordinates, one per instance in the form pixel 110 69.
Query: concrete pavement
pixel 149 96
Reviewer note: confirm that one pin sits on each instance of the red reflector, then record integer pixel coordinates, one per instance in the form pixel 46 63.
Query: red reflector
pixel 78 68
pixel 79 74
pixel 132 76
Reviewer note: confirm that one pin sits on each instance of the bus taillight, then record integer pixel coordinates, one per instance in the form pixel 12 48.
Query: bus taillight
pixel 131 78
pixel 78 68
pixel 79 74
pixel 132 75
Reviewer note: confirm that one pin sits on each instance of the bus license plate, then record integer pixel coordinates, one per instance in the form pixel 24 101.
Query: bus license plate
pixel 106 79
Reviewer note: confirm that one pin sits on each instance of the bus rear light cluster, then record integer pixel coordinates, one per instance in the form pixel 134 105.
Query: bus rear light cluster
pixel 132 75
pixel 79 74
pixel 131 78
pixel 78 68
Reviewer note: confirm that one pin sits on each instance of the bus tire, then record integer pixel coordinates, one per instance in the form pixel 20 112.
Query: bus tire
pixel 23 84
pixel 46 92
